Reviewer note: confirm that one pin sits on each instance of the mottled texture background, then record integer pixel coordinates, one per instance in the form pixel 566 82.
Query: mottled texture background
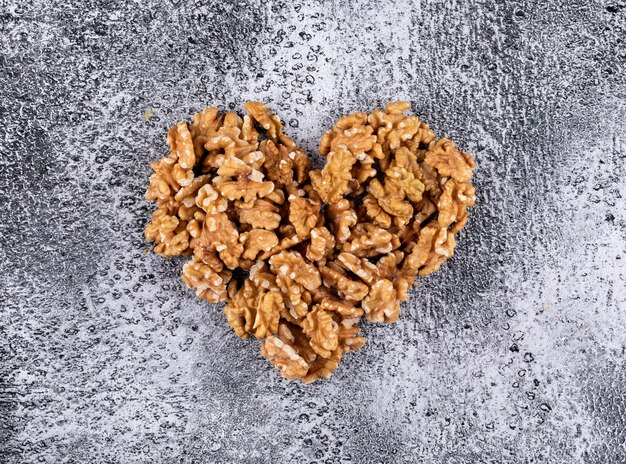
pixel 512 353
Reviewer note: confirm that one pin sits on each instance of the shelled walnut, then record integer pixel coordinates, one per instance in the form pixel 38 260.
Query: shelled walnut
pixel 300 256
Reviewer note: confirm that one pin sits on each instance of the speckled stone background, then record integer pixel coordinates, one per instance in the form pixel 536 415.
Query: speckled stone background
pixel 512 353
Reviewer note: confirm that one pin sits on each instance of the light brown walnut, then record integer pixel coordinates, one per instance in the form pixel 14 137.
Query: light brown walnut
pixel 453 203
pixel 383 301
pixel 220 234
pixel 342 217
pixel 346 288
pixel 284 358
pixel 247 186
pixel 333 181
pixel 208 284
pixel 291 264
pixel 167 179
pixel 374 212
pixel 367 240
pixel 347 335
pixel 266 119
pixel 360 267
pixel 278 163
pixel 433 248
pixel 382 304
pixel 357 138
pixel 321 245
pixel 343 309
pixel 205 124
pixel 449 161
pixel 293 335
pixel 180 141
pixel 288 239
pixel 228 142
pixel 322 331
pixel 323 367
pixel 303 214
pixel 257 240
pixel 168 232
pixel 240 311
pixel 268 314
pixel 262 276
pixel 393 205
pixel 259 213
pixel 210 200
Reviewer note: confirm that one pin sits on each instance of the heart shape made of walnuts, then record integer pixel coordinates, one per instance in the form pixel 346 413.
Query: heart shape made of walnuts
pixel 300 255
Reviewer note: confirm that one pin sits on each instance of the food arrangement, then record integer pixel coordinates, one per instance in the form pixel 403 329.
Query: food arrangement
pixel 301 255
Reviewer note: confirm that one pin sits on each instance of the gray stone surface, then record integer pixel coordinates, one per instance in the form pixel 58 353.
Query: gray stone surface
pixel 512 353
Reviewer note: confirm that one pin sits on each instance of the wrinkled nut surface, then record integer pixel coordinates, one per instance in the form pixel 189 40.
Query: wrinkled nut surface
pixel 301 255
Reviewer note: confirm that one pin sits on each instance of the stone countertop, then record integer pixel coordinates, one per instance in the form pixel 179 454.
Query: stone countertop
pixel 512 353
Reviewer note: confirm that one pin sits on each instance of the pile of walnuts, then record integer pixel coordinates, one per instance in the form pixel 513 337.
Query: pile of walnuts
pixel 300 255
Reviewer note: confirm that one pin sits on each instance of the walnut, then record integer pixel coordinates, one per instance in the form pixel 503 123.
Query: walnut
pixel 431 180
pixel 357 138
pixel 170 234
pixel 301 165
pixel 347 335
pixel 180 141
pixel 453 203
pixel 163 184
pixel 402 131
pixel 343 309
pixel 321 245
pixel 220 234
pixel 241 308
pixel 434 246
pixel 346 288
pixel 401 183
pixel 259 213
pixel 343 124
pixel 210 200
pixel 268 314
pixel 333 180
pixel 227 143
pixel 289 239
pixel 382 304
pixel 210 258
pixel 261 275
pixel 249 184
pixel 390 204
pixel 314 252
pixel 303 214
pixel 257 240
pixel 322 331
pixel 297 299
pixel 393 197
pixel 363 169
pixel 284 358
pixel 449 161
pixel 291 264
pixel 294 336
pixel 254 159
pixel 367 240
pixel 342 217
pixel 323 367
pixel 374 211
pixel 360 267
pixel 205 124
pixel 265 118
pixel 281 159
pixel 208 284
